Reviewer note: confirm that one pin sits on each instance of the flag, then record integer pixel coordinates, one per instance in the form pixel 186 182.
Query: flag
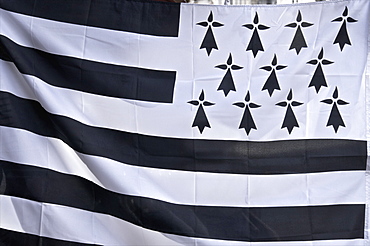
pixel 128 122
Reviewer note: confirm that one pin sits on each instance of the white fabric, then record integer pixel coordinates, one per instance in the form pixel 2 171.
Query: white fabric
pixel 195 72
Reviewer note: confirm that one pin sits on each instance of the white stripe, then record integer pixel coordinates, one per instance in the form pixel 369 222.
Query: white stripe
pixel 182 187
pixel 71 224
pixel 197 73
pixel 211 242
pixel 114 47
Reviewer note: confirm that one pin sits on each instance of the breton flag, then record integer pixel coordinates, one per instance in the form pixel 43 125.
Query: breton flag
pixel 129 122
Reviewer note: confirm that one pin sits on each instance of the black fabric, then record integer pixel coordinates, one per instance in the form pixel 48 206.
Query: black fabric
pixel 12 238
pixel 253 224
pixel 89 76
pixel 122 15
pixel 274 157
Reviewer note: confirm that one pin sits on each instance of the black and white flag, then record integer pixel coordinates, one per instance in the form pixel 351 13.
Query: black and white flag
pixel 129 122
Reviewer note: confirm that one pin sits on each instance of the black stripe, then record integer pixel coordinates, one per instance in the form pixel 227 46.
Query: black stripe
pixel 121 15
pixel 12 238
pixel 276 157
pixel 228 223
pixel 91 77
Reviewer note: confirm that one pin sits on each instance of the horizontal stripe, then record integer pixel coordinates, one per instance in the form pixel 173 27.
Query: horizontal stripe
pixel 10 238
pixel 276 157
pixel 89 76
pixel 120 48
pixel 83 226
pixel 227 223
pixel 70 224
pixel 182 187
pixel 131 16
